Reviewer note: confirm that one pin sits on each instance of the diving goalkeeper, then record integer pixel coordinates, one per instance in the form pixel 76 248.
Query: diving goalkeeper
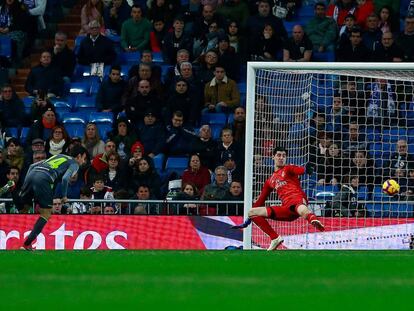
pixel 285 181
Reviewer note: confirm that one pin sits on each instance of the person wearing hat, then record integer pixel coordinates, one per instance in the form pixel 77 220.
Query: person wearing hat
pixel 175 41
pixel 234 172
pixel 151 133
pixel 137 152
pixel 221 94
pixel 95 48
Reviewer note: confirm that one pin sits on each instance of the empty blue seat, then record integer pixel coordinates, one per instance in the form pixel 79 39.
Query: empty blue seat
pixel 394 134
pixel 323 56
pixel 62 107
pixel 363 193
pixel 24 133
pixel 85 104
pixel 157 57
pixel 325 192
pixel 306 11
pixel 79 88
pixel 216 131
pixel 131 57
pixel 75 118
pixel 75 129
pixel 28 102
pixel 12 132
pixel 214 118
pixel 101 117
pixel 159 161
pixel 78 41
pixel 104 129
pixel 5 46
pixel 176 164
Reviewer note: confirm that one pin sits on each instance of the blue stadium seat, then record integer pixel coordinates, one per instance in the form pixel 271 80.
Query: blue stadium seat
pixel 159 161
pixel 164 71
pixel 85 104
pixel 131 57
pixel 176 164
pixel 104 129
pixel 372 134
pixel 12 132
pixel 375 210
pixel 392 135
pixel 325 192
pixel 28 102
pixel 323 56
pixel 124 71
pixel 5 47
pixel 363 193
pixel 380 150
pixel 216 131
pixel 157 57
pixel 306 11
pixel 62 107
pixel 78 41
pixel 75 129
pixel 79 88
pixel 101 117
pixel 75 118
pixel 214 118
pixel 24 133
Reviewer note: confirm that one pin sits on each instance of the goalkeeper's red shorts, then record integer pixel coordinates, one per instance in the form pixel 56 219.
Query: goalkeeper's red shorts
pixel 287 211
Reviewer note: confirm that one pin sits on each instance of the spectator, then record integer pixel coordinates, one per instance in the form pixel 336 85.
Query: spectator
pixel 267 46
pixel 12 173
pixel 110 92
pixel 363 167
pixel 387 20
pixel 227 145
pixel 92 141
pixel 151 134
pixel 95 48
pixel 183 55
pixel 162 9
pixel 316 125
pixel 354 50
pixel 235 11
pixel 45 77
pixel 238 126
pixel 3 166
pixel 124 137
pixel 145 174
pixel 135 106
pixel 340 9
pixel 208 63
pixel 194 85
pixel 387 50
pixel 319 148
pixel 115 15
pixel 410 185
pixel 256 23
pixel 11 108
pixel 157 35
pixel 100 191
pixel 109 210
pixel 36 146
pixel 217 190
pixel 372 34
pixel 184 100
pixel 114 176
pixel 175 40
pixel 146 59
pixel 179 139
pixel 92 11
pixel 365 9
pixel 382 106
pixel 202 23
pixel 210 40
pixel 57 207
pixel 322 30
pixel 42 128
pixel 189 192
pixel 196 173
pixel 135 31
pixel 38 156
pixel 14 154
pixel 144 72
pixel 298 48
pixel 228 57
pixel 400 159
pixel 63 57
pixel 221 94
pixel 331 166
pixel 137 152
pixel 234 171
pixel 354 100
pixel 237 41
pixel 144 193
pixel 345 202
pixel 206 147
pixel 41 104
pixel 406 39
pixel 58 141
pixel 353 140
pixel 338 116
pixel 99 163
pixel 235 193
pixel 346 29
pixel 12 24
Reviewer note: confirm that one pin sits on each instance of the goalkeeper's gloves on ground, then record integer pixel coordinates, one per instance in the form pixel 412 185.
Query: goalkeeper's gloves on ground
pixel 309 168
pixel 246 223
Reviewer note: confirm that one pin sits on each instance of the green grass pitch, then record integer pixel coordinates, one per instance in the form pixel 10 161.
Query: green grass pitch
pixel 206 280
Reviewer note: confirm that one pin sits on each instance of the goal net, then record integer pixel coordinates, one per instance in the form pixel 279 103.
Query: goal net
pixel 355 124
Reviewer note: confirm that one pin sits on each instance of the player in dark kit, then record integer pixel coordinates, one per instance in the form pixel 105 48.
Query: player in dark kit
pixel 285 181
pixel 39 185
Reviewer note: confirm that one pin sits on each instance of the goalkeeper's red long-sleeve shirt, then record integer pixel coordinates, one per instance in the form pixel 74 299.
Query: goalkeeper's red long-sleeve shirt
pixel 285 181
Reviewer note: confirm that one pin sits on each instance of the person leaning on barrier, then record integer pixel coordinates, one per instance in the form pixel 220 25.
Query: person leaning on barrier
pixel 345 202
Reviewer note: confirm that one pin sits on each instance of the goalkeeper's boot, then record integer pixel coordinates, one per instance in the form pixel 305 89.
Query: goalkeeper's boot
pixel 9 187
pixel 275 243
pixel 245 224
pixel 27 248
pixel 318 225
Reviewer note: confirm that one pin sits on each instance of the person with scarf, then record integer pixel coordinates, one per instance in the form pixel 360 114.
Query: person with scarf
pixel 92 141
pixel 42 128
pixel 58 141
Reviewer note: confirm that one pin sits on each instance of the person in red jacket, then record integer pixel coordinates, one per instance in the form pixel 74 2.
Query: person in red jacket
pixel 196 173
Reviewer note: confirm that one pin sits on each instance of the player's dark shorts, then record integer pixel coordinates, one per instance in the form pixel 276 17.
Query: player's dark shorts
pixel 287 211
pixel 38 186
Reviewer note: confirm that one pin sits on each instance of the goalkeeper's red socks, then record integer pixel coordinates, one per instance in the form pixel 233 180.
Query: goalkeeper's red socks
pixel 262 223
pixel 314 221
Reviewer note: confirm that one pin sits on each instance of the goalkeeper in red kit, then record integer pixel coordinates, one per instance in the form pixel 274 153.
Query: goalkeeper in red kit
pixel 285 181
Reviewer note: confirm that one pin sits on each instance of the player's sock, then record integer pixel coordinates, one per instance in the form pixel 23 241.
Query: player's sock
pixel 314 221
pixel 262 223
pixel 310 217
pixel 37 228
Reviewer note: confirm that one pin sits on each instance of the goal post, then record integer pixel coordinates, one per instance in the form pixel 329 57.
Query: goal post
pixel 286 102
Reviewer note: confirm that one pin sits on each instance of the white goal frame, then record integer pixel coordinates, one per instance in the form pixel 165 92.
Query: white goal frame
pixel 250 111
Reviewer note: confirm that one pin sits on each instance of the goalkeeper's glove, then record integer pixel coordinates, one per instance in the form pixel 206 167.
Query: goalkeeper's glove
pixel 309 168
pixel 246 223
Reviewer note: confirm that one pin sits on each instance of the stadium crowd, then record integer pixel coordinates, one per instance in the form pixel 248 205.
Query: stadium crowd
pixel 155 91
